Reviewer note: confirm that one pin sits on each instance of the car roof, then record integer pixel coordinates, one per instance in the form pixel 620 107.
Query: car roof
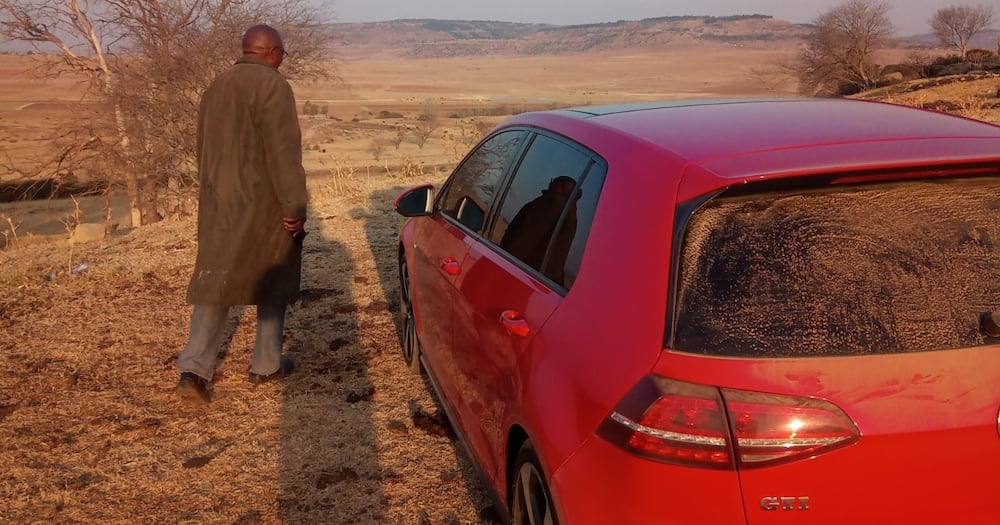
pixel 758 137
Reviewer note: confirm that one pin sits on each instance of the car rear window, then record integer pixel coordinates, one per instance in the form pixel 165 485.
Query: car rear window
pixel 883 268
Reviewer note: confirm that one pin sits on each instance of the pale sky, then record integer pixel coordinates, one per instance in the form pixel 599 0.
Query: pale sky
pixel 909 16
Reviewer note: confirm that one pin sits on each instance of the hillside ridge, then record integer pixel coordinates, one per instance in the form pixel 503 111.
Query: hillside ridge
pixel 434 38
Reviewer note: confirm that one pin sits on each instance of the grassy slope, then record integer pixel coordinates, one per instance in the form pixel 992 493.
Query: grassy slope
pixel 93 432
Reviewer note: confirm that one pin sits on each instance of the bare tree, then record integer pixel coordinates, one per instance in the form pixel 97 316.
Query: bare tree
pixel 423 131
pixel 147 62
pixel 839 56
pixel 429 122
pixel 956 25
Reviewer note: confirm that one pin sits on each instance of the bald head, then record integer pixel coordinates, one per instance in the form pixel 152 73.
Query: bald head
pixel 264 42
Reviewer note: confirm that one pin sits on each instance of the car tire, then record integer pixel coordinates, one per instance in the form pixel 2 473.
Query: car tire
pixel 408 331
pixel 530 498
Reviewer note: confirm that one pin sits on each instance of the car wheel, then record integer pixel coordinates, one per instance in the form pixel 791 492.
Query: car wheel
pixel 531 501
pixel 409 343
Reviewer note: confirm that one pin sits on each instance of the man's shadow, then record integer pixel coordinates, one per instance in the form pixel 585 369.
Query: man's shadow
pixel 329 468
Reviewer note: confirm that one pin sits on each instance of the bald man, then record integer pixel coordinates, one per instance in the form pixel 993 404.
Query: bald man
pixel 251 211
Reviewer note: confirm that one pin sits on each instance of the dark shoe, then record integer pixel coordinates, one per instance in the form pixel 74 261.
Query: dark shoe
pixel 988 326
pixel 193 389
pixel 284 370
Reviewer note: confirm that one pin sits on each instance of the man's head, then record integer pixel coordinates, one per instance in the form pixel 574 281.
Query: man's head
pixel 562 185
pixel 264 43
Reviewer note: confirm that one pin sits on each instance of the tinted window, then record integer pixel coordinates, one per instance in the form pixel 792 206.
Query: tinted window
pixel 547 210
pixel 876 269
pixel 472 188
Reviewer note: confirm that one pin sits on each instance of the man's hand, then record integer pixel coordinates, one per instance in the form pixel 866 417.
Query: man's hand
pixel 294 224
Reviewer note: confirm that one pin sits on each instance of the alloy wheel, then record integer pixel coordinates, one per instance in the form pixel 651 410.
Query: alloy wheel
pixel 531 502
pixel 409 343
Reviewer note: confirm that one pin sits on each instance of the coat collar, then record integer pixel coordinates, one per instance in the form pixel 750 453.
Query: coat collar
pixel 252 60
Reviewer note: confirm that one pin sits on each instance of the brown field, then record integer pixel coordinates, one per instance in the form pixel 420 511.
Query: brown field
pixel 91 429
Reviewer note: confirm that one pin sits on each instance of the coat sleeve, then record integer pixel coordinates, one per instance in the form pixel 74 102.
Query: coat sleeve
pixel 279 129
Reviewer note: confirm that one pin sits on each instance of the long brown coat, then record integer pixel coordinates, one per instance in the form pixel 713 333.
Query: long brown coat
pixel 251 176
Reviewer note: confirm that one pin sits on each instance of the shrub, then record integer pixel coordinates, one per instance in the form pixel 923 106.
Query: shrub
pixel 979 56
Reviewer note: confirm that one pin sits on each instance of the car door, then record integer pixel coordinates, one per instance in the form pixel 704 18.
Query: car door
pixel 440 246
pixel 512 283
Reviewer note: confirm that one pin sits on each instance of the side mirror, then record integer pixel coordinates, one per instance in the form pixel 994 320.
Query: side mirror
pixel 417 201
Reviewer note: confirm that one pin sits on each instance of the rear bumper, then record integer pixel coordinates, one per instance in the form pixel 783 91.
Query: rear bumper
pixel 602 484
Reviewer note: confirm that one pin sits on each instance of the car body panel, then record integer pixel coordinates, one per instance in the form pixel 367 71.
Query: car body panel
pixel 829 160
pixel 493 291
pixel 933 411
pixel 432 243
pixel 719 130
pixel 932 414
pixel 604 485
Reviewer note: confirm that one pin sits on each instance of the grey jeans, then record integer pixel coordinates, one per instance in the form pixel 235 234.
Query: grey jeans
pixel 208 323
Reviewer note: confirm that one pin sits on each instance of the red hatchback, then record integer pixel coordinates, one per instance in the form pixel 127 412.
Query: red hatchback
pixel 718 312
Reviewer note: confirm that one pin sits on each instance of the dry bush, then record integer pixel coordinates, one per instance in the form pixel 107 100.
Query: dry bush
pixel 378 145
pixel 430 110
pixel 973 106
pixel 398 138
pixel 482 127
pixel 10 238
pixel 458 142
pixel 979 56
pixel 71 221
pixel 342 179
pixel 919 61
pixel 408 170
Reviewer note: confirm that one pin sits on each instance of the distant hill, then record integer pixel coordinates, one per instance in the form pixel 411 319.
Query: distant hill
pixel 461 38
pixel 986 39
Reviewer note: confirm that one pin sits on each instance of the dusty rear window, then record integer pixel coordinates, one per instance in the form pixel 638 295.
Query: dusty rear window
pixel 873 269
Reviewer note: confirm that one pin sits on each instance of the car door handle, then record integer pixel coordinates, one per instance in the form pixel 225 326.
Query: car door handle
pixel 450 266
pixel 514 323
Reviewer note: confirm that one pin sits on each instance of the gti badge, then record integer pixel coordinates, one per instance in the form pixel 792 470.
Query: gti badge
pixel 785 503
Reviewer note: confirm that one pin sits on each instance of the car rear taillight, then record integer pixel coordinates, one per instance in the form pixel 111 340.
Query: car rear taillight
pixel 771 428
pixel 699 425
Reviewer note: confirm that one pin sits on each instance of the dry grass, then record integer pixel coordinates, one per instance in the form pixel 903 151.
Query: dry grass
pixel 973 96
pixel 93 432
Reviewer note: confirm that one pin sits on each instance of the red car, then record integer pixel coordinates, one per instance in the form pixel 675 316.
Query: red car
pixel 718 312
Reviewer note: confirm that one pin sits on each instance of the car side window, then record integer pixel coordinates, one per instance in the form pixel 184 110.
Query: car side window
pixel 547 211
pixel 470 191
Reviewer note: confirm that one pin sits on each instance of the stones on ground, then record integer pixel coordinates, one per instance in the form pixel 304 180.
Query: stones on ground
pixel 6 410
pixel 435 424
pixel 449 475
pixel 365 394
pixel 326 479
pixel 197 462
pixel 397 427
